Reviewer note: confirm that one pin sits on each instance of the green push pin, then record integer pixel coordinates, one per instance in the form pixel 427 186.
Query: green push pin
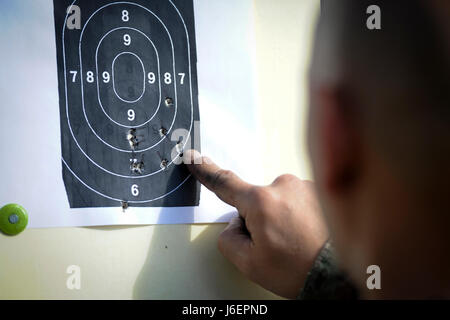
pixel 13 219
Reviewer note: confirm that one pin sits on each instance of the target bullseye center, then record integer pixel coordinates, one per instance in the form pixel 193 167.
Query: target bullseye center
pixel 128 77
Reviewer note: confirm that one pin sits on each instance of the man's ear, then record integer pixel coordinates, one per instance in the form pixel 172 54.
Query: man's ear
pixel 338 140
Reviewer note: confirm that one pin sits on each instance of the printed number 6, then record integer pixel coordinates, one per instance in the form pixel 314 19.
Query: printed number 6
pixel 135 190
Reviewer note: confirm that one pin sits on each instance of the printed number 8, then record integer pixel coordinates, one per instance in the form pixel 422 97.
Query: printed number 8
pixel 125 16
pixel 90 77
pixel 167 78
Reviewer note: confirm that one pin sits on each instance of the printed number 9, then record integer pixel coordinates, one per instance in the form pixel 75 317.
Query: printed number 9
pixel 131 115
pixel 126 40
pixel 151 78
pixel 106 77
pixel 125 16
pixel 135 190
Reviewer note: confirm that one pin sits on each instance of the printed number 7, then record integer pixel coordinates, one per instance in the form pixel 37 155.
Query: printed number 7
pixel 74 75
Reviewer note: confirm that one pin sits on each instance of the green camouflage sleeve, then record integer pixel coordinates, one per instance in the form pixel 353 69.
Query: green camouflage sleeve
pixel 325 281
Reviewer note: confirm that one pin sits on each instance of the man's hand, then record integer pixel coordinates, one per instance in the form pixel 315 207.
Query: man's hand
pixel 279 231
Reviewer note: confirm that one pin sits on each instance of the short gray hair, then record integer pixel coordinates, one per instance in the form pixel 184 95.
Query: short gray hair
pixel 400 75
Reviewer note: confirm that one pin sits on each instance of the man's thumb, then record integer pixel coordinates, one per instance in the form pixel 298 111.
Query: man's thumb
pixel 235 244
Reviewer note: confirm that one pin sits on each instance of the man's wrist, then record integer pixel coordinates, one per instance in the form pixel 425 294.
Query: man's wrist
pixel 325 281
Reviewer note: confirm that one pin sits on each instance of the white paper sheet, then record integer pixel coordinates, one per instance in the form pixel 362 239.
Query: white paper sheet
pixel 30 161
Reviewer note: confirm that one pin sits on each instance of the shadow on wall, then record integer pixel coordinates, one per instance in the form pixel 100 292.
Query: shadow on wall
pixel 177 267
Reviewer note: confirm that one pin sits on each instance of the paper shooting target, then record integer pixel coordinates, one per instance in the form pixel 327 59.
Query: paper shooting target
pixel 128 101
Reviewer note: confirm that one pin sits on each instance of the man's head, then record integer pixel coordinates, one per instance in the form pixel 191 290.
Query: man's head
pixel 380 139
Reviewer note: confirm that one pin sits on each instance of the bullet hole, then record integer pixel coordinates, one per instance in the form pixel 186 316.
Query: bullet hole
pixel 164 164
pixel 136 166
pixel 169 102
